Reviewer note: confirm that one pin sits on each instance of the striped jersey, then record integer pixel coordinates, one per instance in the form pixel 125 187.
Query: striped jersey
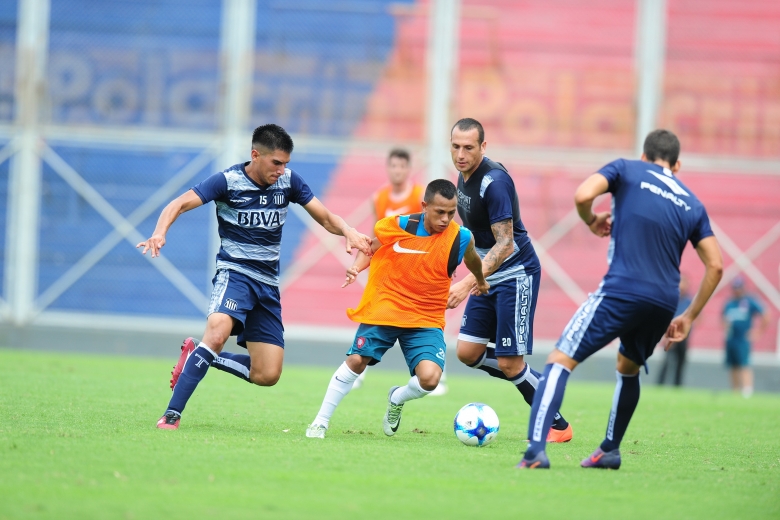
pixel 489 196
pixel 251 218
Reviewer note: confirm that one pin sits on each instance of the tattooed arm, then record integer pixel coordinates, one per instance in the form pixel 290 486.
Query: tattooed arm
pixel 504 233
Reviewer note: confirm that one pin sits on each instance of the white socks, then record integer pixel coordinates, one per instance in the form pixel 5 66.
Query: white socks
pixel 412 390
pixel 339 386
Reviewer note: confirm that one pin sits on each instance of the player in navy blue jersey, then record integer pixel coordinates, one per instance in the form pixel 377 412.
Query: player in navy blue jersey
pixel 653 217
pixel 488 207
pixel 251 199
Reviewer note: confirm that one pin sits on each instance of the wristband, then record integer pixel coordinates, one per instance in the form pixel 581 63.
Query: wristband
pixel 592 220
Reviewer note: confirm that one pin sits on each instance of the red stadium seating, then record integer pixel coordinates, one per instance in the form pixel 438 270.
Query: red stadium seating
pixel 538 73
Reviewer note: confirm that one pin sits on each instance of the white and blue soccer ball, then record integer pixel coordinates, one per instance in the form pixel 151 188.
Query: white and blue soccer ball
pixel 476 424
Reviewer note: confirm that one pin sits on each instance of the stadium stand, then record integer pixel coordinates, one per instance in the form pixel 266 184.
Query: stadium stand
pixel 541 75
pixel 530 59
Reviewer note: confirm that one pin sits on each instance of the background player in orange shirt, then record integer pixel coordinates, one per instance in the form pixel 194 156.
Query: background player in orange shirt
pixel 400 196
pixel 405 300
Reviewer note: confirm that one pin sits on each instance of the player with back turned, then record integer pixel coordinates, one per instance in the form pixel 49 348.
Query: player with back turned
pixel 488 206
pixel 653 217
pixel 251 200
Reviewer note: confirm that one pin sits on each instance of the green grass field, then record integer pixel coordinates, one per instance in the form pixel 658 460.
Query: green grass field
pixel 77 440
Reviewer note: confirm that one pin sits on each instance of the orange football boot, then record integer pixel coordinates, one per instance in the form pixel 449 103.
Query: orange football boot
pixel 560 435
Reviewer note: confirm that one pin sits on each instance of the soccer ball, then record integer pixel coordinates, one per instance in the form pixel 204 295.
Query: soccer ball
pixel 476 424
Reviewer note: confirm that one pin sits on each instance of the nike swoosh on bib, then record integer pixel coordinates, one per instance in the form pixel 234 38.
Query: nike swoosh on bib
pixel 398 249
pixel 395 212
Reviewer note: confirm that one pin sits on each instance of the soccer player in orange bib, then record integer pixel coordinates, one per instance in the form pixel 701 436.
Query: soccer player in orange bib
pixel 404 300
pixel 401 196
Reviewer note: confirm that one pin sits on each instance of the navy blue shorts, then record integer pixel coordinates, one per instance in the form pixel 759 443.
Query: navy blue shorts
pixel 639 325
pixel 255 307
pixel 416 344
pixel 737 354
pixel 505 316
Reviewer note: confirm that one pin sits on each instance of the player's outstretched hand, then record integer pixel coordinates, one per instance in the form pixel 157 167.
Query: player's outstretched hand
pixel 480 289
pixel 154 244
pixel 358 241
pixel 602 225
pixel 352 274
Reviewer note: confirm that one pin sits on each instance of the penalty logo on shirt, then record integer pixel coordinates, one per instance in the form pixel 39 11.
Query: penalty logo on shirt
pixel 360 342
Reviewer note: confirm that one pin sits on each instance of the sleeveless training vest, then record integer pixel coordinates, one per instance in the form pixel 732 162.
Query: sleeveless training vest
pixel 409 279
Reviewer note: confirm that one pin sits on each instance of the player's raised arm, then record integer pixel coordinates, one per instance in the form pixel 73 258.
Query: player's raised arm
pixel 709 253
pixel 181 204
pixel 474 264
pixel 595 185
pixel 336 225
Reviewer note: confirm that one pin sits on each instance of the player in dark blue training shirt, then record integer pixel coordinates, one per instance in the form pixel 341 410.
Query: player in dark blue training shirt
pixel 488 207
pixel 653 217
pixel 251 200
pixel 738 314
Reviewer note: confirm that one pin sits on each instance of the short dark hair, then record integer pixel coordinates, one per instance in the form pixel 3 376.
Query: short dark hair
pixel 467 124
pixel 272 137
pixel 442 187
pixel 400 153
pixel 662 144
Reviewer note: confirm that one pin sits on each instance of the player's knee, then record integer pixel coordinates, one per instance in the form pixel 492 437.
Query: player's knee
pixel 556 356
pixel 264 377
pixel 215 341
pixel 511 365
pixel 357 363
pixel 627 367
pixel 429 379
pixel 469 355
pixel 215 338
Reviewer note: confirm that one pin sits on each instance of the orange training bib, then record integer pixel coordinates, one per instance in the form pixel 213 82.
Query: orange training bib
pixel 408 283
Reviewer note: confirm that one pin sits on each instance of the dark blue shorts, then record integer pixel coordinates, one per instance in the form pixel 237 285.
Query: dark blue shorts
pixel 255 307
pixel 639 325
pixel 416 344
pixel 505 316
pixel 737 354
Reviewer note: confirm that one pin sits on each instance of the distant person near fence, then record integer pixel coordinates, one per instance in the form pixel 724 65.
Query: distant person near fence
pixel 401 196
pixel 674 359
pixel 738 314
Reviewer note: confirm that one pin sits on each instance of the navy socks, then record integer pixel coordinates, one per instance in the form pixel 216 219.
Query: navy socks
pixel 489 364
pixel 526 382
pixel 624 403
pixel 194 370
pixel 236 364
pixel 547 401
